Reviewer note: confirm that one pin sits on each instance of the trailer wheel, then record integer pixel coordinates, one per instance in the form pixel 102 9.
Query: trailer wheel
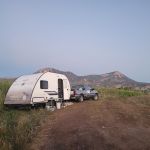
pixel 81 99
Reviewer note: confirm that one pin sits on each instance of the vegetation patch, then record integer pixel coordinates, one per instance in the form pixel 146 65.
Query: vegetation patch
pixel 122 92
pixel 17 127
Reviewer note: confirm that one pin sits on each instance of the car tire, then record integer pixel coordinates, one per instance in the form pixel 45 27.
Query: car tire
pixel 81 99
pixel 95 97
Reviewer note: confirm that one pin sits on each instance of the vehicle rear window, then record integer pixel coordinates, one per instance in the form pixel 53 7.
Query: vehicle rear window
pixel 77 87
pixel 44 84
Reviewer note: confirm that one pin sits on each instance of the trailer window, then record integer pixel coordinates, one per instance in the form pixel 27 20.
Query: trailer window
pixel 43 84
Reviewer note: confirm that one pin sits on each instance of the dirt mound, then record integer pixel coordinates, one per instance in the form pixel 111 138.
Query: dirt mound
pixel 96 125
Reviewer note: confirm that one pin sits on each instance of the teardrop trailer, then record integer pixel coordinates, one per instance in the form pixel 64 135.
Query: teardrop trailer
pixel 46 89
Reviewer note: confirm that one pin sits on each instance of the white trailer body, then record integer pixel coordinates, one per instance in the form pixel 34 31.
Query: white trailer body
pixel 38 88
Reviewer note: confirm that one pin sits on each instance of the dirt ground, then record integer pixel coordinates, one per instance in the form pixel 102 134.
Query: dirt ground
pixel 96 125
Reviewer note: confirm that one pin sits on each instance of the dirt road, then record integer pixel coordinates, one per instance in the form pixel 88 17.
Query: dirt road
pixel 96 125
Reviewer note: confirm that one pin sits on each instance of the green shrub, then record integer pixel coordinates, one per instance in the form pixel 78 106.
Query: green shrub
pixel 4 86
pixel 113 92
pixel 17 127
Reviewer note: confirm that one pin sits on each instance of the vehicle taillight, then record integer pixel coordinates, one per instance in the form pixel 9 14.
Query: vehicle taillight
pixel 74 92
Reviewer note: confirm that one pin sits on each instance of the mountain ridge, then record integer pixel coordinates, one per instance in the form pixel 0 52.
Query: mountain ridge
pixel 113 79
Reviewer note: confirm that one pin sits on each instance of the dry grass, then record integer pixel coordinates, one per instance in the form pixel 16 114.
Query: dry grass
pixel 17 127
pixel 124 92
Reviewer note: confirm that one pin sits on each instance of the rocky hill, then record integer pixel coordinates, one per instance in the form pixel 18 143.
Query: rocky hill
pixel 113 79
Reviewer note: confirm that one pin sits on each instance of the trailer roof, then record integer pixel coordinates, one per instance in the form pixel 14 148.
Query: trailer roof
pixel 22 88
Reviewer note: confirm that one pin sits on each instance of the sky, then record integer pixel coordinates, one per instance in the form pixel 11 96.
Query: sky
pixel 81 36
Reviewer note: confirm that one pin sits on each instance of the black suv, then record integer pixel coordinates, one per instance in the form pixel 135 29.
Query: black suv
pixel 82 92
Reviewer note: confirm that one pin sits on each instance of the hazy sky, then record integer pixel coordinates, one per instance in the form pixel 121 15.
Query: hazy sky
pixel 82 36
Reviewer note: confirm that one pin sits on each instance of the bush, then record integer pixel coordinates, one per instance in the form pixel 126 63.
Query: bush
pixel 17 127
pixel 112 92
pixel 4 86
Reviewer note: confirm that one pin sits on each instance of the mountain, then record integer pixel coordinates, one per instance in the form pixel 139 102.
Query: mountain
pixel 71 76
pixel 113 79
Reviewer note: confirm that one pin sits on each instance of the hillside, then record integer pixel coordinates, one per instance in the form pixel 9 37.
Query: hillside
pixel 113 79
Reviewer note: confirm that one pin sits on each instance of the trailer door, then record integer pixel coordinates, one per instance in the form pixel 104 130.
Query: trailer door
pixel 60 89
pixel 66 89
